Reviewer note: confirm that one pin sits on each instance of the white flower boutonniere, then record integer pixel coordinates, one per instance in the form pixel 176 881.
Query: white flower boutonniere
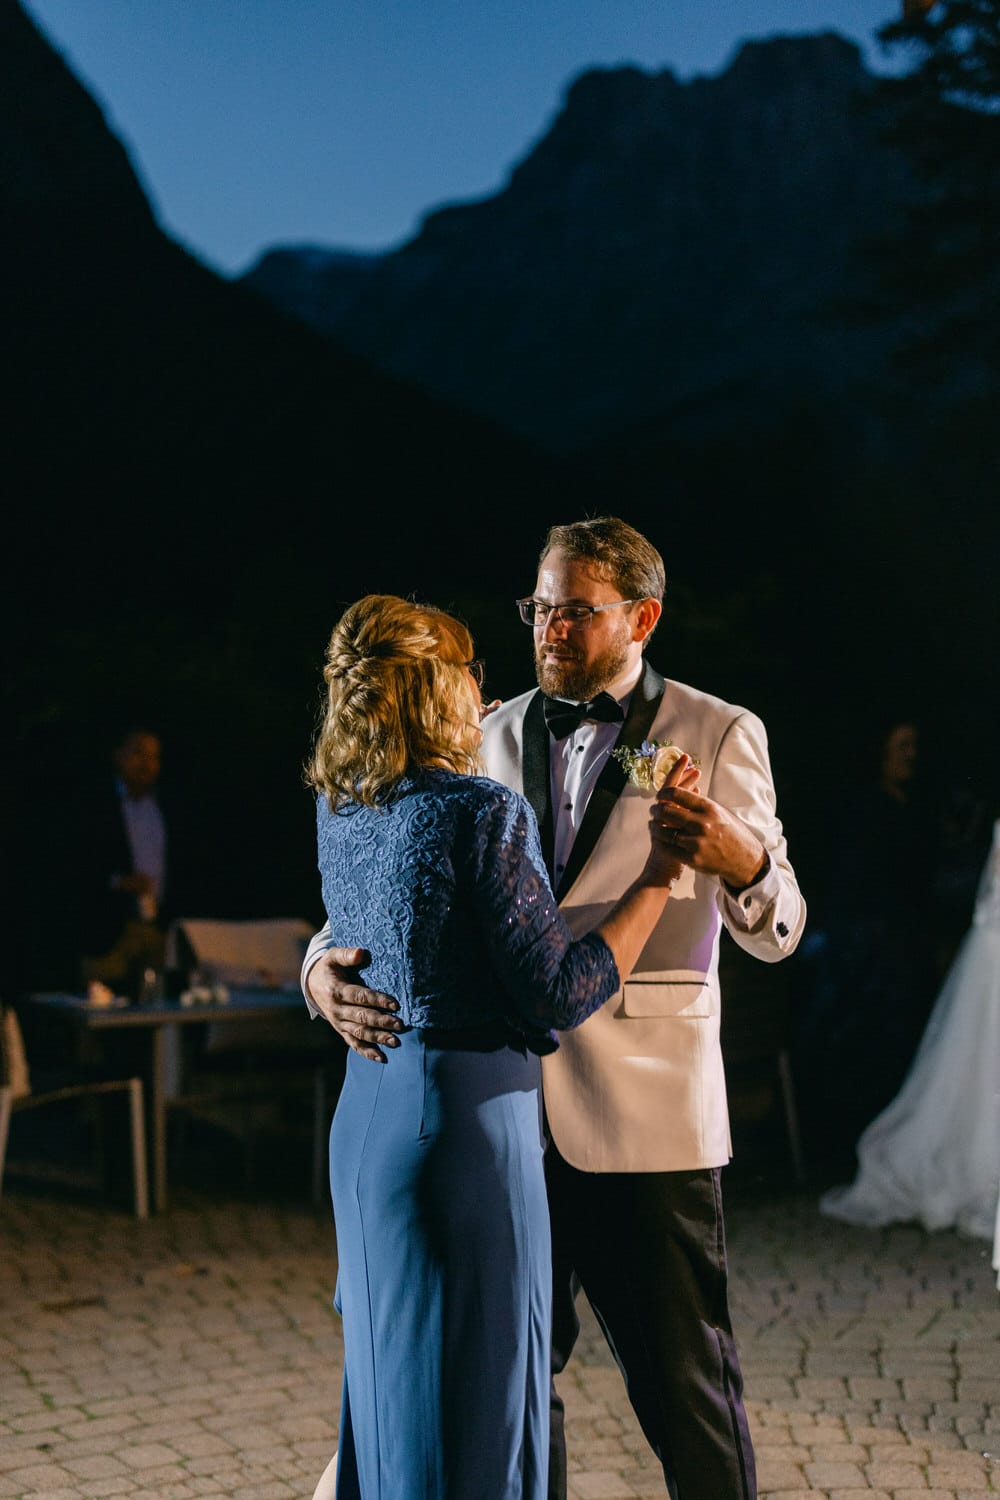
pixel 650 765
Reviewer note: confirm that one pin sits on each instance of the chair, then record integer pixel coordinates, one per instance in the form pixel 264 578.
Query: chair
pixel 756 1049
pixel 247 955
pixel 18 1094
pixel 248 1075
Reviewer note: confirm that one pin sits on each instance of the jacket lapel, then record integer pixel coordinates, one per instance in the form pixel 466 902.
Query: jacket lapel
pixel 536 781
pixel 641 713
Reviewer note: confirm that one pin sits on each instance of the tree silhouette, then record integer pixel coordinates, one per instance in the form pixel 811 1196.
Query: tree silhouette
pixel 943 267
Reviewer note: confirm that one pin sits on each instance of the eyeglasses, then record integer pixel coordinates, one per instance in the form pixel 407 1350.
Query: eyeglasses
pixel 536 612
pixel 478 670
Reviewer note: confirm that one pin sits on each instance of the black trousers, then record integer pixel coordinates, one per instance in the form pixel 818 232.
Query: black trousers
pixel 649 1251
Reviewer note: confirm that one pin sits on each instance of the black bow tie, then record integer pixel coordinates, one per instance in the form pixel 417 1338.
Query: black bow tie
pixel 562 717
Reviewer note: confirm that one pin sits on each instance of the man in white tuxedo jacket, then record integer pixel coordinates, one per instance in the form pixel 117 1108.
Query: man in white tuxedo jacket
pixel 635 1098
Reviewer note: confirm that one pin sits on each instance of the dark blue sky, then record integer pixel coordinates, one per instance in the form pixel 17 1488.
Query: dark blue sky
pixel 341 122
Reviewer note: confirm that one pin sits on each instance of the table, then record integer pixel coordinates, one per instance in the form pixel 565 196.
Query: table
pixel 88 1019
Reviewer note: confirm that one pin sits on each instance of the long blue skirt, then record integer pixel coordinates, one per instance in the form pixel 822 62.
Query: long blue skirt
pixel 444 1284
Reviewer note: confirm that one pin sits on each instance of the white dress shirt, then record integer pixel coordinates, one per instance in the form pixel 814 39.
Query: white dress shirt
pixel 575 763
pixel 147 838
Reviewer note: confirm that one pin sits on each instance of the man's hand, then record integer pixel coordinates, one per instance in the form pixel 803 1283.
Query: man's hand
pixel 364 1018
pixel 711 839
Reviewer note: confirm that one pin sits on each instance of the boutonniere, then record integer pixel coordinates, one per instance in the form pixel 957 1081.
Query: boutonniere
pixel 650 765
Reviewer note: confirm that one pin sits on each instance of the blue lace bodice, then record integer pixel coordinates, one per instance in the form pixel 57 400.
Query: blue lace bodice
pixel 446 888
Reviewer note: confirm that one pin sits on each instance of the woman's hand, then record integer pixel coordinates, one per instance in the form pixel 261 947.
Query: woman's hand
pixel 664 862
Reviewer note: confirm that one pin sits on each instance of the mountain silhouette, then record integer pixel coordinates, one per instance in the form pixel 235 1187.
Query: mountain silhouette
pixel 664 247
pixel 674 290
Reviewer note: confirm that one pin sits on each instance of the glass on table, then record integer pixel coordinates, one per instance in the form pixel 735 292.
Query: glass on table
pixel 152 987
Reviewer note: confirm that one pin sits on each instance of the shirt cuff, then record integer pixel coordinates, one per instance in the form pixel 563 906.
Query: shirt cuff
pixel 750 901
pixel 308 964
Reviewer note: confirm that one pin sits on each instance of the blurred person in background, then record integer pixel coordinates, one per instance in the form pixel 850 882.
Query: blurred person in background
pixel 933 1155
pixel 872 958
pixel 121 865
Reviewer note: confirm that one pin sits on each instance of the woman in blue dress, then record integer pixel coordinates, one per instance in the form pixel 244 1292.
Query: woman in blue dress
pixel 444 1277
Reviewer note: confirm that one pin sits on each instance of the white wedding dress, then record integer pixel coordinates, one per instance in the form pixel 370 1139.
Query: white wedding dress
pixel 933 1154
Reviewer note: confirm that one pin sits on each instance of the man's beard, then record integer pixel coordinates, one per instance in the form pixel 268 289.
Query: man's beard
pixel 571 678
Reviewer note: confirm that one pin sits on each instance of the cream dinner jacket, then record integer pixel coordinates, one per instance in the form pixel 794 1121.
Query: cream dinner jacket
pixel 640 1086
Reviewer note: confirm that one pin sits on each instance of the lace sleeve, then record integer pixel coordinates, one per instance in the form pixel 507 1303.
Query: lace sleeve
pixel 552 979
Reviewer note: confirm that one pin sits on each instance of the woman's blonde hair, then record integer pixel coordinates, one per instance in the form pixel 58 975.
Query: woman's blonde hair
pixel 398 697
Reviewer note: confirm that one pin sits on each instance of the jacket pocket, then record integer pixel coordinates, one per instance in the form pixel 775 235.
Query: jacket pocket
pixel 686 994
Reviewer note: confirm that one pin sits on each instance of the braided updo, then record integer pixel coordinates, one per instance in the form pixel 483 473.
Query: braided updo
pixel 398 697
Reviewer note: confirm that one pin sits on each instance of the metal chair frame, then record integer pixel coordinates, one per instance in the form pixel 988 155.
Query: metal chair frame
pixel 14 1101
